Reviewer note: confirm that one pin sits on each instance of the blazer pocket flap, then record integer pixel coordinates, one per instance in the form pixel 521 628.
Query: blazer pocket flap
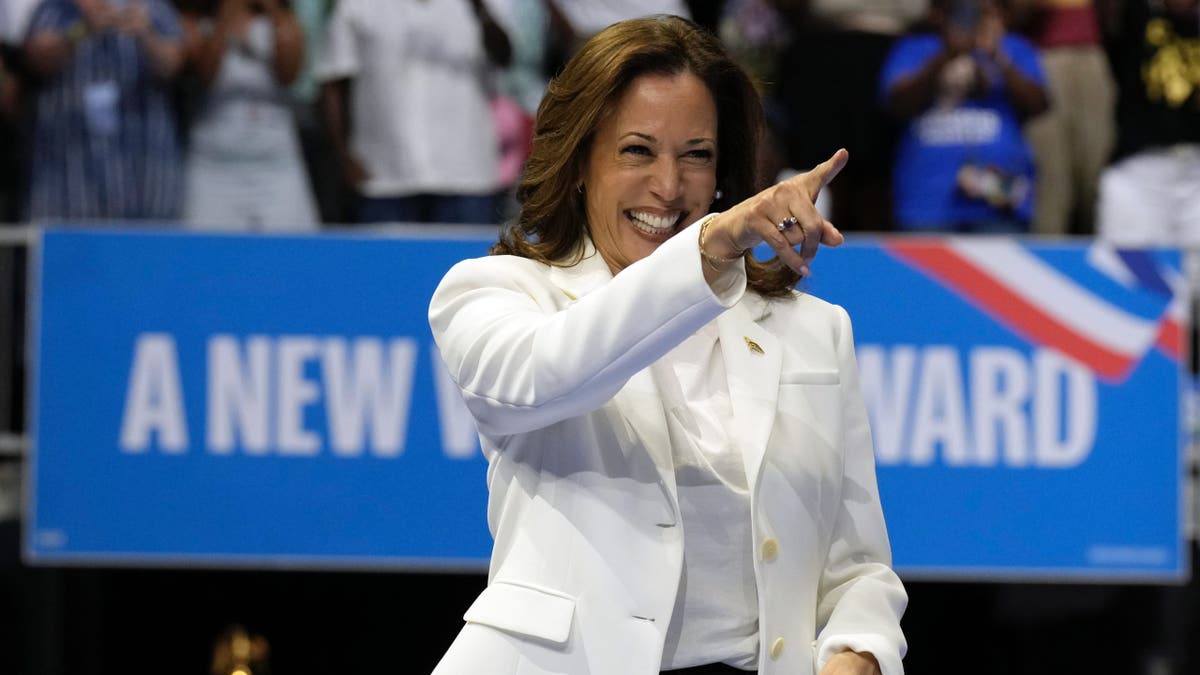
pixel 525 610
pixel 810 377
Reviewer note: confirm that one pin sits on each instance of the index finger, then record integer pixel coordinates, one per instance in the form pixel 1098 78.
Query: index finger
pixel 826 171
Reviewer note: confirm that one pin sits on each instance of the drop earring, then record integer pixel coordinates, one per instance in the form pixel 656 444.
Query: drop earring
pixel 717 195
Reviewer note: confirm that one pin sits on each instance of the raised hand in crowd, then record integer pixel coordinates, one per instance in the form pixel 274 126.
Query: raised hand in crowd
pixel 231 19
pixel 166 56
pixel 49 50
pixel 98 15
pixel 970 62
pixel 135 20
pixel 1026 95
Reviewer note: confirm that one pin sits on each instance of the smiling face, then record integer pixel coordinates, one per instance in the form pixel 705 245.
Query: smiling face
pixel 652 168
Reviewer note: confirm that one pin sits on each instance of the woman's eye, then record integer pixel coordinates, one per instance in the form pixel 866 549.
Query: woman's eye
pixel 704 154
pixel 637 150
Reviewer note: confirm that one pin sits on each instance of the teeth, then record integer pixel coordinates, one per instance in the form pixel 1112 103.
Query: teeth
pixel 652 224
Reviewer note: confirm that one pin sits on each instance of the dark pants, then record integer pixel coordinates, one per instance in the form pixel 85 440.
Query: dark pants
pixel 430 208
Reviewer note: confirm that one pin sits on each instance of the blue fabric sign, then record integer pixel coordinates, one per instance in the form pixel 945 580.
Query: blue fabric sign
pixel 1025 403
pixel 277 400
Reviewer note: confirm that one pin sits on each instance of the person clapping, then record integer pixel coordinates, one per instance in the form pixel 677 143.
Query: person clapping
pixel 105 143
pixel 963 93
pixel 245 169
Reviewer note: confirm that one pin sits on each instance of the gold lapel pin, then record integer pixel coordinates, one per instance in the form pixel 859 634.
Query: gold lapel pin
pixel 753 345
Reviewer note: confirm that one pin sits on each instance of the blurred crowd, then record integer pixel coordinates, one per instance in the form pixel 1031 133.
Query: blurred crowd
pixel 998 116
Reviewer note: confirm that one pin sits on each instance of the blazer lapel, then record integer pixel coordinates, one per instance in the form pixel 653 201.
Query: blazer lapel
pixel 640 401
pixel 753 359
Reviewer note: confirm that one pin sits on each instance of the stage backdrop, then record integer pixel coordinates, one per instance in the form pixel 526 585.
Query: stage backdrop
pixel 278 401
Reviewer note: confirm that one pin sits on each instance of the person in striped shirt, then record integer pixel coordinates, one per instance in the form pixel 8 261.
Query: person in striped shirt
pixel 105 143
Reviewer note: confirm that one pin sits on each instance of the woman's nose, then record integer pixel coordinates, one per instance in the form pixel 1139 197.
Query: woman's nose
pixel 667 180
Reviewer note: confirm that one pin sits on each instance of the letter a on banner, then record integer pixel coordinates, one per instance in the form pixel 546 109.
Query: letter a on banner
pixel 154 399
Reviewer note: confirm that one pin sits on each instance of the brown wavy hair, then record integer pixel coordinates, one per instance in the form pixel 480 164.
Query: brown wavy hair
pixel 552 220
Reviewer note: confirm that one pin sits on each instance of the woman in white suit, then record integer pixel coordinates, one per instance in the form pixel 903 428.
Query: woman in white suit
pixel 680 470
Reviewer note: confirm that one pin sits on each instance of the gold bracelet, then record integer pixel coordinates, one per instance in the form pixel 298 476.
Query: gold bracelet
pixel 709 258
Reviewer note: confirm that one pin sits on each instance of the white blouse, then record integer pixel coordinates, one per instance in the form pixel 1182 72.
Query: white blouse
pixel 716 610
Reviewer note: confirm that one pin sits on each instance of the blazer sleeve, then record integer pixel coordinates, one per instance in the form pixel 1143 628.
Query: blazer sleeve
pixel 523 360
pixel 861 599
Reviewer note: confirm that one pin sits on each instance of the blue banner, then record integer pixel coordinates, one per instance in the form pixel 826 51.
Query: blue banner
pixel 1025 403
pixel 277 400
pixel 249 399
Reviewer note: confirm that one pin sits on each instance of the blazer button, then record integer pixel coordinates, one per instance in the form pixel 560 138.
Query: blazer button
pixel 776 648
pixel 770 549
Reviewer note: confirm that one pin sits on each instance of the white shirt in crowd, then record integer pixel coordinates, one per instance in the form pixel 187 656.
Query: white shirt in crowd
pixel 420 117
pixel 14 19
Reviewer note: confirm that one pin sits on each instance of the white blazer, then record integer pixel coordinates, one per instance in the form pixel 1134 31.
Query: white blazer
pixel 557 365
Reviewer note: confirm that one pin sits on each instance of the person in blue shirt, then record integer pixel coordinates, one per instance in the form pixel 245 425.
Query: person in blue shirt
pixel 963 92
